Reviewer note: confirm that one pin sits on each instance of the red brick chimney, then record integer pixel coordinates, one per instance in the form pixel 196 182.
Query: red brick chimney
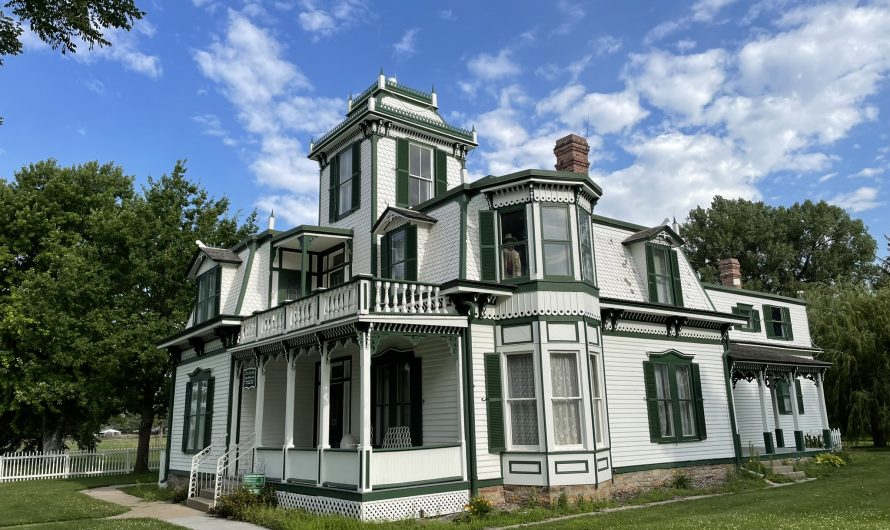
pixel 730 273
pixel 571 154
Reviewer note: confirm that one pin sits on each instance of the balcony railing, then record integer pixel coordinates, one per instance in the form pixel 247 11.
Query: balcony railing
pixel 360 296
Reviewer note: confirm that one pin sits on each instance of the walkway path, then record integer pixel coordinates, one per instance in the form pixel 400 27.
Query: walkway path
pixel 165 511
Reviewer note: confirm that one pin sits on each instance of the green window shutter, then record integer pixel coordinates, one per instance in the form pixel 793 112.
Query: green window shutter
pixel 767 315
pixel 675 275
pixel 402 172
pixel 755 319
pixel 786 318
pixel 185 417
pixel 494 403
pixel 411 253
pixel 799 396
pixel 781 392
pixel 651 400
pixel 208 422
pixel 488 247
pixel 385 256
pixel 356 175
pixel 441 172
pixel 699 403
pixel 416 403
pixel 650 267
pixel 334 195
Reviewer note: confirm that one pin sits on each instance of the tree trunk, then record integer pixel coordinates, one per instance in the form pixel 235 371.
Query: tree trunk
pixel 52 437
pixel 146 418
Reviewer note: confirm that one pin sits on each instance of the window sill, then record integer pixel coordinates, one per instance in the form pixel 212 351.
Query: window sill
pixel 345 214
pixel 663 441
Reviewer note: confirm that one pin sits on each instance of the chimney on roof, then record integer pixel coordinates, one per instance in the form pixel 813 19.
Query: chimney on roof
pixel 571 154
pixel 730 273
pixel 272 220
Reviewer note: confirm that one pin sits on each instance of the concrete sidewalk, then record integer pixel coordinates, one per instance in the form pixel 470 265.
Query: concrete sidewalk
pixel 165 511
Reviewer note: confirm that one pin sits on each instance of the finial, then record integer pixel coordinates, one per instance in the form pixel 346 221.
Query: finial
pixel 474 128
pixel 434 89
pixel 381 71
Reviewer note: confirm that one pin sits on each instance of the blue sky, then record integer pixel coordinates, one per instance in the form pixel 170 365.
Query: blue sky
pixel 774 100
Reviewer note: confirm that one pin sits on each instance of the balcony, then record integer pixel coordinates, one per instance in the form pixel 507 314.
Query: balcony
pixel 362 295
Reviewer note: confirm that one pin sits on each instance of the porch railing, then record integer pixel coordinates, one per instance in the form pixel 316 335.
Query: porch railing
pixel 198 480
pixel 415 464
pixel 361 296
pixel 231 467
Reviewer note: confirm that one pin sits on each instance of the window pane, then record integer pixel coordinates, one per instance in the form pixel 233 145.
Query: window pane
pixel 660 260
pixel 663 289
pixel 666 418
pixel 397 246
pixel 418 191
pixel 521 374
pixel 684 382
pixel 776 313
pixel 524 422
pixel 513 226
pixel 778 329
pixel 687 418
pixel 414 160
pixel 567 421
pixel 556 259
pixel 345 197
pixel 426 163
pixel 398 271
pixel 554 222
pixel 514 261
pixel 595 377
pixel 345 165
pixel 193 420
pixel 564 375
pixel 662 383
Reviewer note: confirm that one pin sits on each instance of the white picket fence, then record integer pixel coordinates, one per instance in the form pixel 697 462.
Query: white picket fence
pixel 16 467
pixel 836 443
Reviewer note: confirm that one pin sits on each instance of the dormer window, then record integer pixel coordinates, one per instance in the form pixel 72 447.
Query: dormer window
pixel 207 301
pixel 778 322
pixel 664 275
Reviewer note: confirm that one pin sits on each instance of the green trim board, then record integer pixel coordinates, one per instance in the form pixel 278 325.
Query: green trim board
pixel 659 336
pixel 245 278
pixel 673 465
pixel 379 487
pixel 352 495
pixel 567 462
pixel 489 482
pixel 615 223
pixel 757 294
pixel 572 286
pixel 510 469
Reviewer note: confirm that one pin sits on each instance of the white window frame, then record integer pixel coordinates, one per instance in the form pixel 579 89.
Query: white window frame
pixel 579 399
pixel 508 415
pixel 598 402
pixel 431 180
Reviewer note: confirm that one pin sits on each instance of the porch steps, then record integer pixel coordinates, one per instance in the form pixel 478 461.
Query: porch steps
pixel 781 469
pixel 203 502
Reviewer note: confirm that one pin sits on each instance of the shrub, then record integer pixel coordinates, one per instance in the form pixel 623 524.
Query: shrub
pixel 813 441
pixel 829 459
pixel 234 505
pixel 479 506
pixel 532 500
pixel 755 466
pixel 562 502
pixel 180 494
pixel 680 480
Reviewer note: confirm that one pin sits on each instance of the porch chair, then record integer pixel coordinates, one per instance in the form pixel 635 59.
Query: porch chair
pixel 397 437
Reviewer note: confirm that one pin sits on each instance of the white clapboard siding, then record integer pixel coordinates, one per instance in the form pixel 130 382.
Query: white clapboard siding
pixel 219 366
pixel 274 404
pixel 487 465
pixel 628 418
pixel 724 302
pixel 248 415
pixel 439 385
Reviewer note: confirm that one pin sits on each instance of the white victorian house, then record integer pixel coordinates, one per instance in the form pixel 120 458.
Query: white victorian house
pixel 434 338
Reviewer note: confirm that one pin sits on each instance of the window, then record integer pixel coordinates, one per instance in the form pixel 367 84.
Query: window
pixel 753 315
pixel 207 302
pixel 778 322
pixel 198 412
pixel 397 395
pixel 588 273
pixel 288 285
pixel 399 255
pixel 337 268
pixel 596 394
pixel 782 389
pixel 664 275
pixel 674 398
pixel 513 244
pixel 345 182
pixel 340 400
pixel 566 398
pixel 521 399
pixel 556 242
pixel 420 169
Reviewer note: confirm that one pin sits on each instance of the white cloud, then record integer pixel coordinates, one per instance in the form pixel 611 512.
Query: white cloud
pixel 338 16
pixel 682 84
pixel 859 200
pixel 268 94
pixel 684 45
pixel 607 113
pixel 826 177
pixel 447 14
pixel 493 67
pixel 95 86
pixel 869 172
pixel 706 10
pixel 407 45
pixel 212 126
pixel 124 49
pixel 607 45
pixel 292 209
pixel 702 11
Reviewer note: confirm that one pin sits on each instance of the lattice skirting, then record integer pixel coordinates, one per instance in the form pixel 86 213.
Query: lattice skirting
pixel 384 510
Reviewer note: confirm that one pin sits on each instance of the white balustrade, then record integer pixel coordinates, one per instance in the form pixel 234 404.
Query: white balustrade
pixel 410 297
pixel 15 467
pixel 301 314
pixel 272 323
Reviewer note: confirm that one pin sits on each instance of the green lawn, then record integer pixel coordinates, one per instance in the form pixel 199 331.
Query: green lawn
pixel 108 524
pixel 150 492
pixel 122 442
pixel 44 501
pixel 856 496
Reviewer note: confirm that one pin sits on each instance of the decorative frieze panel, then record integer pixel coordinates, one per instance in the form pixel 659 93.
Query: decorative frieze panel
pixel 537 303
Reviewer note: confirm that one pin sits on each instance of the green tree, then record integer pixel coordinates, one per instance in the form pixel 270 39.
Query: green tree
pixel 159 234
pixel 780 250
pixel 850 322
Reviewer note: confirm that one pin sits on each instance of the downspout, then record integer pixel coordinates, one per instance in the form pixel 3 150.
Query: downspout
pixel 469 410
pixel 169 424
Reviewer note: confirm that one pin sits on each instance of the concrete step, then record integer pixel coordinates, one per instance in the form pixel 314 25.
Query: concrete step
pixel 200 503
pixel 206 493
pixel 781 470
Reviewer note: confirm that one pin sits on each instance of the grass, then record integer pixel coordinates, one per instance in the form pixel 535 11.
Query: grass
pixel 851 496
pixel 150 492
pixel 44 501
pixel 121 442
pixel 108 524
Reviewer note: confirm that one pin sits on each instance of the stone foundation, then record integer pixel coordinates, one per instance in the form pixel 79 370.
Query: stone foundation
pixel 547 496
pixel 495 494
pixel 628 484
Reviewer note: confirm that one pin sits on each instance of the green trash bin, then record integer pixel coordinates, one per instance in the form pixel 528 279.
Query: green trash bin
pixel 254 483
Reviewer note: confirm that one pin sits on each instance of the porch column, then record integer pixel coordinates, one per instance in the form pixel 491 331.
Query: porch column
pixel 289 411
pixel 823 411
pixel 460 409
pixel 767 436
pixel 365 451
pixel 798 434
pixel 260 401
pixel 780 434
pixel 232 435
pixel 324 409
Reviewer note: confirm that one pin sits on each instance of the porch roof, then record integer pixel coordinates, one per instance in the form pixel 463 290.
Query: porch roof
pixel 775 355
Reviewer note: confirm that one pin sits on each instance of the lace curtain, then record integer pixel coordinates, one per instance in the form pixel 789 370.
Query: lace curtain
pixel 523 406
pixel 566 398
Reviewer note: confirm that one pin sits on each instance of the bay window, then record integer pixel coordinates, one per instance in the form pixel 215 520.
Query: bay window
pixel 566 398
pixel 521 399
pixel 556 241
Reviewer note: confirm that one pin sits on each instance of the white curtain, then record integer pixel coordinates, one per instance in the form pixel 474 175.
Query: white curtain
pixel 523 406
pixel 566 398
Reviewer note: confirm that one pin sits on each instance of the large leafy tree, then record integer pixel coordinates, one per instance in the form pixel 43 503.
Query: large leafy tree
pixel 780 249
pixel 850 322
